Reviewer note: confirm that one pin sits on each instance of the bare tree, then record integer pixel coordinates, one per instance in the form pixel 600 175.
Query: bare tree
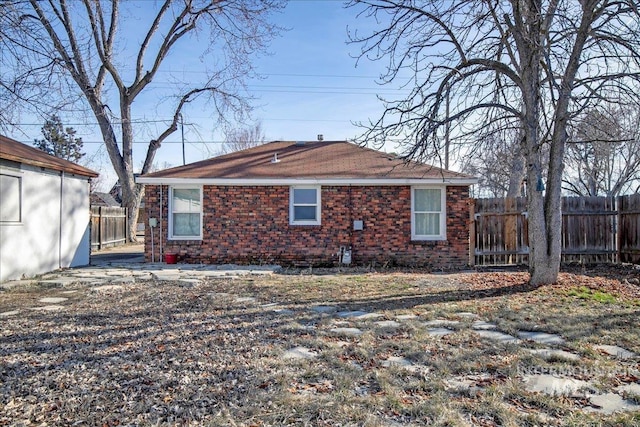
pixel 61 51
pixel 531 63
pixel 603 155
pixel 237 139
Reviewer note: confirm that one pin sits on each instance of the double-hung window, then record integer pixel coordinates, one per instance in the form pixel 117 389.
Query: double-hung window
pixel 304 205
pixel 185 213
pixel 428 215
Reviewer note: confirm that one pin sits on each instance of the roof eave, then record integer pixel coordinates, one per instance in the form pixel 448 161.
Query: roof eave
pixel 306 181
pixel 80 171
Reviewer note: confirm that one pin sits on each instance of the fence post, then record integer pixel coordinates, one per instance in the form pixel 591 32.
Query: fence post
pixel 99 227
pixel 618 207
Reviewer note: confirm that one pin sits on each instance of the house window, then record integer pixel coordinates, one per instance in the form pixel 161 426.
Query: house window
pixel 304 205
pixel 185 213
pixel 428 216
pixel 11 196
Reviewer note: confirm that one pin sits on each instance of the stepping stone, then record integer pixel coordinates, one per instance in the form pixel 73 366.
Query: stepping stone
pixel 552 385
pixel 9 313
pixel 397 361
pixel 361 315
pixel 440 323
pixel 369 316
pixel 49 308
pixel 69 292
pixel 166 277
pixel 129 280
pixel 632 388
pixel 299 353
pixel 548 353
pixel 498 336
pixel 466 383
pixel 467 315
pixel 482 325
pixel 439 332
pixel 541 337
pixel 212 273
pixel 190 282
pixel 53 300
pixel 614 350
pixel 608 403
pixel 401 362
pixel 324 309
pixel 351 313
pixel 406 317
pixel 16 283
pixel 388 324
pixel 107 288
pixel 60 282
pixel 352 332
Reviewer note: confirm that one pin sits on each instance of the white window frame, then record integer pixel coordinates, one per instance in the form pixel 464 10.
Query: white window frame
pixel 20 199
pixel 292 220
pixel 171 212
pixel 443 214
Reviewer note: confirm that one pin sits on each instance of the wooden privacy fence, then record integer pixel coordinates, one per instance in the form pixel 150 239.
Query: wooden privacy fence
pixel 594 230
pixel 108 227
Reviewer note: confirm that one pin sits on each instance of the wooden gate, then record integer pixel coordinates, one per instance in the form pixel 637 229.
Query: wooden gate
pixel 108 227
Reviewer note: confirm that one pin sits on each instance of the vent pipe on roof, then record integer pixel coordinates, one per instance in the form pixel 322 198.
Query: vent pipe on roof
pixel 275 158
pixel 320 137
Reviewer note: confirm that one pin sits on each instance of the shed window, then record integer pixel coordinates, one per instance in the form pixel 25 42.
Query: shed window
pixel 428 216
pixel 11 196
pixel 304 205
pixel 185 222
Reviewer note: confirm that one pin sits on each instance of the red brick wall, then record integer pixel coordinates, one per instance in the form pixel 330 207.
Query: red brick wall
pixel 250 225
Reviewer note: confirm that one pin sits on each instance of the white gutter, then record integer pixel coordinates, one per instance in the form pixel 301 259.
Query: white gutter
pixel 306 181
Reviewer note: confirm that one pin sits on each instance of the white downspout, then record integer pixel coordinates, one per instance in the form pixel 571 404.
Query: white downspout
pixel 60 220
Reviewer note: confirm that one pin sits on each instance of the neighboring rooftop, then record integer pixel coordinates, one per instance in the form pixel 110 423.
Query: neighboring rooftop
pixel 310 160
pixel 103 199
pixel 15 151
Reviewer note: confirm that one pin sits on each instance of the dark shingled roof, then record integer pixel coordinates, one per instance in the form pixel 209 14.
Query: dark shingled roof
pixel 18 152
pixel 316 160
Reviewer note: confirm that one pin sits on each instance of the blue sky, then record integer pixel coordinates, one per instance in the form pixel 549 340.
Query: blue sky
pixel 310 86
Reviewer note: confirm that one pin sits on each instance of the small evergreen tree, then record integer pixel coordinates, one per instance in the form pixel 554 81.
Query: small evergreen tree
pixel 60 142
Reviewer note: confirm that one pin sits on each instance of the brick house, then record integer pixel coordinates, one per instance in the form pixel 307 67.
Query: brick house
pixel 313 203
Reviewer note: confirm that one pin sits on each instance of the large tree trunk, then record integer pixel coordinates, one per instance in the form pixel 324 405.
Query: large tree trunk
pixel 132 201
pixel 517 173
pixel 544 239
pixel 543 212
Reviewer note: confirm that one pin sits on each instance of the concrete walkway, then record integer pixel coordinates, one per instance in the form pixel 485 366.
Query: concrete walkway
pixel 125 264
pixel 125 254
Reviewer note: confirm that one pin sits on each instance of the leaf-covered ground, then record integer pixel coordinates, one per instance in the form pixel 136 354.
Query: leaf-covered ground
pixel 211 353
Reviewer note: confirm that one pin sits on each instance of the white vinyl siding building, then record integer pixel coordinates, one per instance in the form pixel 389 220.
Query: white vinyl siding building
pixel 44 216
